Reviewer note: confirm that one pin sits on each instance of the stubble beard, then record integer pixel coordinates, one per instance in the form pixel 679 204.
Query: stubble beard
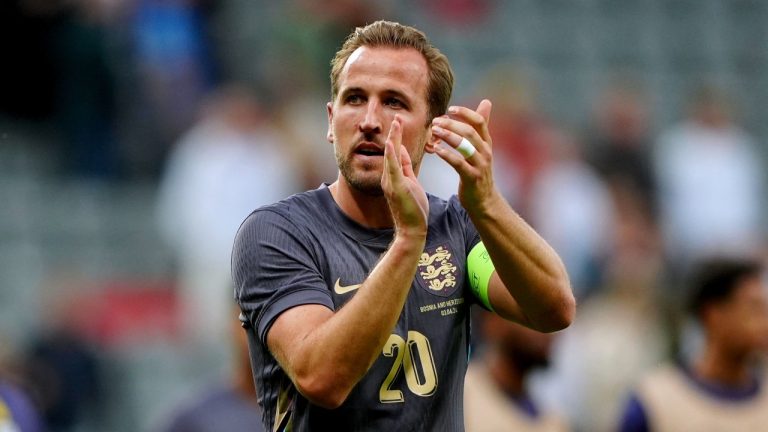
pixel 367 182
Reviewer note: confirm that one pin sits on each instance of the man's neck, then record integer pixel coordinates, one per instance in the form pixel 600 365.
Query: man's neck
pixel 722 367
pixel 367 210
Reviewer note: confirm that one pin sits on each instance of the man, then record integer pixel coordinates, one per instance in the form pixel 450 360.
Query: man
pixel 723 389
pixel 711 178
pixel 356 295
pixel 496 398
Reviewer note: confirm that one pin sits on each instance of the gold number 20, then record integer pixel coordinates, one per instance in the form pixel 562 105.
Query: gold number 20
pixel 415 356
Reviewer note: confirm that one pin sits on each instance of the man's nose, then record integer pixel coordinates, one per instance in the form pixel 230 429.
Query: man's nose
pixel 372 121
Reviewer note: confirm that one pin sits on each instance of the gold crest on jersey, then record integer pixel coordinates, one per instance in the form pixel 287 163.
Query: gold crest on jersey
pixel 437 271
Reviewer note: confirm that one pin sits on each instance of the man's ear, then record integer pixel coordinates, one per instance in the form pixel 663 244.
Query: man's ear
pixel 329 109
pixel 432 142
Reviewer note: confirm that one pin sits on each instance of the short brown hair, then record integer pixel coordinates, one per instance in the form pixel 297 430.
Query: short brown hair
pixel 395 35
pixel 715 280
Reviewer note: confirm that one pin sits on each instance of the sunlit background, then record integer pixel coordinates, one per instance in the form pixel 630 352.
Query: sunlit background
pixel 135 135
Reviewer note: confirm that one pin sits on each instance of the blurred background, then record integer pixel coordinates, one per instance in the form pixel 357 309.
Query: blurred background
pixel 135 135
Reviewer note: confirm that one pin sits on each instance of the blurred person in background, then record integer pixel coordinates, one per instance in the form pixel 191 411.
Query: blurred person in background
pixel 621 331
pixel 175 66
pixel 619 148
pixel 227 406
pixel 18 413
pixel 229 163
pixel 723 388
pixel 620 334
pixel 619 145
pixel 64 374
pixel 572 209
pixel 711 189
pixel 86 93
pixel 58 71
pixel 64 369
pixel 496 396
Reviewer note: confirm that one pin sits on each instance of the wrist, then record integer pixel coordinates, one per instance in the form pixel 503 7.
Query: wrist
pixel 409 240
pixel 487 207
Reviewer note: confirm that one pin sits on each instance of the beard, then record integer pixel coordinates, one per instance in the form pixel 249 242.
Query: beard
pixel 367 180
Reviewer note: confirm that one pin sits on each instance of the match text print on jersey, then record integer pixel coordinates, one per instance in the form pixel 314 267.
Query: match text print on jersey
pixel 415 357
pixel 339 289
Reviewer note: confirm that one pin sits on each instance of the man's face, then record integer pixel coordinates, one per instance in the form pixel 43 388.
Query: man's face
pixel 375 84
pixel 742 320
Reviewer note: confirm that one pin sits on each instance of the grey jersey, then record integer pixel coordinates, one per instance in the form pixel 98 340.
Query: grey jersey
pixel 304 250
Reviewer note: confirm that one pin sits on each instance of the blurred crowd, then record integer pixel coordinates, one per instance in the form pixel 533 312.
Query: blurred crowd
pixel 136 91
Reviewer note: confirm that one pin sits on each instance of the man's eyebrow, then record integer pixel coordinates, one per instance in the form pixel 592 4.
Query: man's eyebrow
pixel 349 90
pixel 398 94
pixel 388 92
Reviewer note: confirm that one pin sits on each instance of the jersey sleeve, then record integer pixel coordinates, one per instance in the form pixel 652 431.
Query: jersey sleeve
pixel 274 269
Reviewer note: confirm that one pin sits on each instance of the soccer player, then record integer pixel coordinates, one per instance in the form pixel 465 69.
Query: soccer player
pixel 723 388
pixel 356 295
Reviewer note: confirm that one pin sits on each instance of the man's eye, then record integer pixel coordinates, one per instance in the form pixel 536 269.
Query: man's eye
pixel 393 102
pixel 354 99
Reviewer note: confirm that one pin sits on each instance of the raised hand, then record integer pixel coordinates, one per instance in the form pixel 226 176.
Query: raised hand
pixel 405 196
pixel 476 188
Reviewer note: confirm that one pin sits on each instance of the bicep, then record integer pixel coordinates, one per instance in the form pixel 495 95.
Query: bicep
pixel 289 331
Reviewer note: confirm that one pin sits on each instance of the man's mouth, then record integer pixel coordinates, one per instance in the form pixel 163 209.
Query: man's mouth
pixel 369 149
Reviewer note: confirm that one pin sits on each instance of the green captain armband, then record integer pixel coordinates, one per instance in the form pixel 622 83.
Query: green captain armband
pixel 480 268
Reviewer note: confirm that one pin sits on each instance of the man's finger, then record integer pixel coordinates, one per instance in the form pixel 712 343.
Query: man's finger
pixel 484 109
pixel 405 162
pixel 454 159
pixel 460 136
pixel 395 134
pixel 392 149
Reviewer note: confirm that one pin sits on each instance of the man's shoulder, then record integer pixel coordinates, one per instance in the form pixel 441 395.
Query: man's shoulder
pixel 293 215
pixel 293 208
pixel 663 374
pixel 302 201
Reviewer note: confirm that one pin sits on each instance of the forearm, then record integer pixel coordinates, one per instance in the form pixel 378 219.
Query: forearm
pixel 530 270
pixel 335 355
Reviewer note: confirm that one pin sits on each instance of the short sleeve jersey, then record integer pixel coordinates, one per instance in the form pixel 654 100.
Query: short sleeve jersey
pixel 305 250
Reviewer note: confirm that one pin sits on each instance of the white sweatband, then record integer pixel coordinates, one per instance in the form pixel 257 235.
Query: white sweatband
pixel 465 148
